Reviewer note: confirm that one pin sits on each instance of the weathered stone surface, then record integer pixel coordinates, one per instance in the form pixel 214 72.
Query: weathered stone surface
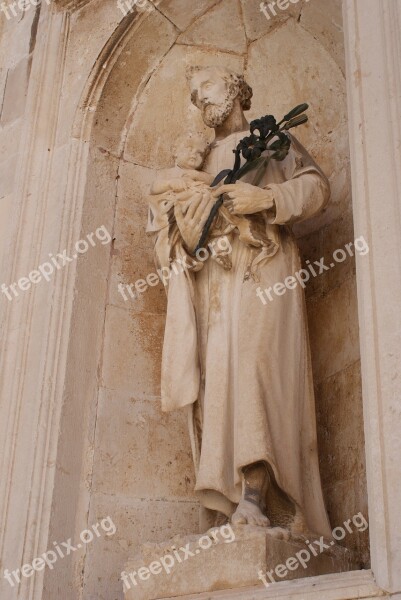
pixel 177 11
pixel 334 330
pixel 342 453
pixel 82 36
pixel 310 247
pixel 9 139
pixel 132 353
pixel 330 243
pixel 133 248
pixel 218 563
pixel 340 425
pixel 6 210
pixel 140 57
pixel 324 20
pixel 137 453
pixel 8 169
pixel 3 79
pixel 335 237
pixel 206 31
pixel 154 130
pixel 345 499
pixel 85 44
pixel 257 24
pixel 136 521
pixel 305 72
pixel 17 36
pixel 15 91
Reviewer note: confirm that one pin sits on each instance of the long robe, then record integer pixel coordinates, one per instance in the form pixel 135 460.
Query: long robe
pixel 243 367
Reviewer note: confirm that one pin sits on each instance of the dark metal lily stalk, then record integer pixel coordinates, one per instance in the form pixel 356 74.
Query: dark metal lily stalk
pixel 252 148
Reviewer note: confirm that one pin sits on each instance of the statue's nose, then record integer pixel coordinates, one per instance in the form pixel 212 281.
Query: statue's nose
pixel 203 96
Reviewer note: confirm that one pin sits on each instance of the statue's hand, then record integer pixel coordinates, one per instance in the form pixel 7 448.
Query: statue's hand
pixel 244 198
pixel 192 216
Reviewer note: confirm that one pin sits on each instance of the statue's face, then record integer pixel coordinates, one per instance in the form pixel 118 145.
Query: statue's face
pixel 191 154
pixel 211 93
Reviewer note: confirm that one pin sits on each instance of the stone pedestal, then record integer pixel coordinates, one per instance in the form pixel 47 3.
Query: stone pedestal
pixel 228 558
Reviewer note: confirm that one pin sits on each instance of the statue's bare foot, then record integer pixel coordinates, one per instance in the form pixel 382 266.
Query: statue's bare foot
pixel 248 513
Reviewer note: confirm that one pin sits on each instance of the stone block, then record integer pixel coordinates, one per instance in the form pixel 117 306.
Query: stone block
pixel 6 208
pixel 310 247
pixel 140 58
pixel 140 451
pixel 132 352
pixel 132 207
pixel 257 24
pixel 329 243
pixel 324 20
pixel 178 12
pixel 3 79
pixel 8 169
pixel 9 139
pixel 218 561
pixel 206 31
pixel 340 426
pixel 151 300
pixel 133 248
pixel 15 91
pixel 18 35
pixel 136 521
pixel 344 500
pixel 334 330
pixel 335 237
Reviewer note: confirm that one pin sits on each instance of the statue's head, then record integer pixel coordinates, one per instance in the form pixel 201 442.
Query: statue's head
pixel 216 91
pixel 191 150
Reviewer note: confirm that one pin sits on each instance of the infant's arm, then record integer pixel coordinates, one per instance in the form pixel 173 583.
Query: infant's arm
pixel 160 187
pixel 199 176
pixel 178 184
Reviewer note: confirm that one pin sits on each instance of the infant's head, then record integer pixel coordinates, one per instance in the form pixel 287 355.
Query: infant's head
pixel 191 151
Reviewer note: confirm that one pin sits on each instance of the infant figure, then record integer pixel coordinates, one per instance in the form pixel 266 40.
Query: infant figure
pixel 178 185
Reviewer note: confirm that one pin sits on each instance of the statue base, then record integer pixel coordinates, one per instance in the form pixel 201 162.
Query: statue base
pixel 229 558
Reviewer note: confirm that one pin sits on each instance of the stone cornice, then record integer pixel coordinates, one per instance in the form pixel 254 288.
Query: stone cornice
pixel 70 5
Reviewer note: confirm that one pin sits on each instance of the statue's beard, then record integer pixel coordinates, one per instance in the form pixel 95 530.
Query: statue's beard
pixel 214 115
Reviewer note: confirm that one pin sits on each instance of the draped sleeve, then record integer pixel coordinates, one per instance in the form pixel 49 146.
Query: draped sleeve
pixel 301 189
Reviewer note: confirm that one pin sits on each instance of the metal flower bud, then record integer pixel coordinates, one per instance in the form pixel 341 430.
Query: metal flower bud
pixel 298 110
pixel 295 122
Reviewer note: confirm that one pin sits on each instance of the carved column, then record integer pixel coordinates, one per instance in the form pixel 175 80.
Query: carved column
pixel 373 49
pixel 31 349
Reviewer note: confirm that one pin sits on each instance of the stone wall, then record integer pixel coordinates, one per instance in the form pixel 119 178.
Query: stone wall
pixel 291 59
pixel 17 45
pixel 135 462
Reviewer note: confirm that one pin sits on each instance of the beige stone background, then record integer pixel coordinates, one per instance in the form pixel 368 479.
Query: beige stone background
pixel 137 461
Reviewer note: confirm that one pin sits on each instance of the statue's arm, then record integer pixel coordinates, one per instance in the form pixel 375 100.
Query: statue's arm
pixel 160 187
pixel 202 176
pixel 305 192
pixel 298 199
pixel 294 190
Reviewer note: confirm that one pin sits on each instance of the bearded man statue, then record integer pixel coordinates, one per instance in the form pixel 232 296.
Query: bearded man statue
pixel 242 367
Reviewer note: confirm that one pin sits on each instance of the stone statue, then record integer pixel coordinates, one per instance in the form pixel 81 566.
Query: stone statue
pixel 241 368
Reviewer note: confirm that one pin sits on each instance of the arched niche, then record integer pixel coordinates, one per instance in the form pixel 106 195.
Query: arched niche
pixel 135 105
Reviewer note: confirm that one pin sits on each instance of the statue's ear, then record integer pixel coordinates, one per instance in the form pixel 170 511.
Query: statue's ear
pixel 233 90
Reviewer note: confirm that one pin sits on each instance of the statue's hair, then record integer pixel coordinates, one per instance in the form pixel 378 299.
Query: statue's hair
pixel 235 81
